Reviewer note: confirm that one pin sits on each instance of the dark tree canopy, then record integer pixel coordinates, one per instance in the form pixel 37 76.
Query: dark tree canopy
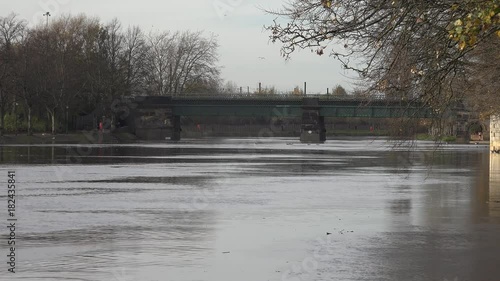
pixel 410 49
pixel 77 66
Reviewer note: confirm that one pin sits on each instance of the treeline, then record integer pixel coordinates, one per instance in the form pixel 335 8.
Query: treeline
pixel 439 52
pixel 75 65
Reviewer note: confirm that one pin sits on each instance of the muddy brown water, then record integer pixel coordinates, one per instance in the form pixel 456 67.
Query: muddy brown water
pixel 254 209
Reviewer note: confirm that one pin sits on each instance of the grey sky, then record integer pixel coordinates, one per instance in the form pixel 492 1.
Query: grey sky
pixel 238 24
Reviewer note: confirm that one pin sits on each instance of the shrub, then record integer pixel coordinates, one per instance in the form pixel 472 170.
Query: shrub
pixel 449 139
pixel 37 125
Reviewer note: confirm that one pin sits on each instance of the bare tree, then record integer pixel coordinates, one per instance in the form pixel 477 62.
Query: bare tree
pixel 134 56
pixel 27 84
pixel 75 65
pixel 62 82
pixel 402 48
pixel 198 57
pixel 339 91
pixel 230 87
pixel 11 30
pixel 483 77
pixel 160 48
pixel 95 67
pixel 113 48
pixel 176 62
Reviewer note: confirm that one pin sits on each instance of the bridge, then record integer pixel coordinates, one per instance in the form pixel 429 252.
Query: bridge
pixel 153 113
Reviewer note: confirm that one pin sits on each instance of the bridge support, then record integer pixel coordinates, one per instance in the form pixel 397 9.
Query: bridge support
pixel 176 128
pixel 322 127
pixel 313 124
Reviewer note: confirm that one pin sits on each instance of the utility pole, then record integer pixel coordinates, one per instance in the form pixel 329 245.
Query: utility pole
pixel 305 88
pixel 260 87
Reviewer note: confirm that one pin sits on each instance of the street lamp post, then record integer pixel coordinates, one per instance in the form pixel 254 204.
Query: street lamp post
pixel 47 14
pixel 15 116
pixel 67 119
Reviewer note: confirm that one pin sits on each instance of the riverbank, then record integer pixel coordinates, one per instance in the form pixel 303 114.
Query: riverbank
pixel 94 137
pixel 256 131
pixel 83 137
pixel 450 139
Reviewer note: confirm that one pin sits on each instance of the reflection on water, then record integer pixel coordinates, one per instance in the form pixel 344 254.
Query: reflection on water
pixel 256 210
pixel 494 200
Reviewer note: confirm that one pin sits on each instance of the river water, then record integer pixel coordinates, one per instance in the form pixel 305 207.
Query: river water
pixel 254 209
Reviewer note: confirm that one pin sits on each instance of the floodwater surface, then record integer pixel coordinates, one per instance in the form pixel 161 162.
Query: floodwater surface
pixel 254 209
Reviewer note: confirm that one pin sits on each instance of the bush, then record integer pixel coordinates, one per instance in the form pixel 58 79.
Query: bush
pixel 9 124
pixel 449 139
pixel 424 137
pixel 37 125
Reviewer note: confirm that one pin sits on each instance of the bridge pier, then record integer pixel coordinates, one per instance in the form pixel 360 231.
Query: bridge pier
pixel 176 128
pixel 313 124
pixel 322 134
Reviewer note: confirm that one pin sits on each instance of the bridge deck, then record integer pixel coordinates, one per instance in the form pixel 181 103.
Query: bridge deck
pixel 278 106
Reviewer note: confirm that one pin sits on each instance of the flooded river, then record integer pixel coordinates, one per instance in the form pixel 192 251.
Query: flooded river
pixel 253 210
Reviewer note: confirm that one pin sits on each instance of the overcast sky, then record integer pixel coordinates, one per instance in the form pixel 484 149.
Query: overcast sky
pixel 238 24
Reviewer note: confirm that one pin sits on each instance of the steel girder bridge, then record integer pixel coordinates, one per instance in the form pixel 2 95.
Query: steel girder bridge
pixel 311 109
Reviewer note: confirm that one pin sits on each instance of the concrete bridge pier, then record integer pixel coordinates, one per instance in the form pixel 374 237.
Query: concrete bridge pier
pixel 313 124
pixel 322 134
pixel 176 128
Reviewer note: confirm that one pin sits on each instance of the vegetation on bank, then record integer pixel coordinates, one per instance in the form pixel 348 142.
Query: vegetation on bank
pixel 11 125
pixel 427 137
pixel 77 65
pixel 439 52
pixel 82 137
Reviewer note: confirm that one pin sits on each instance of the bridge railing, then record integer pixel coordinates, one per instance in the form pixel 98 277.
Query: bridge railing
pixel 280 97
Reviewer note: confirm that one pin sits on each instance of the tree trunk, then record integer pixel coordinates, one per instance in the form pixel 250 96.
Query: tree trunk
pixel 51 118
pixel 29 121
pixel 53 122
pixel 2 120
